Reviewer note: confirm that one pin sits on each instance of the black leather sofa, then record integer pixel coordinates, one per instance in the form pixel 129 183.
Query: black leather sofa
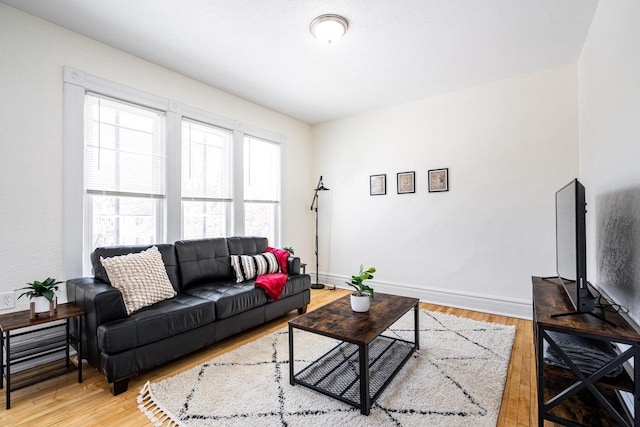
pixel 209 306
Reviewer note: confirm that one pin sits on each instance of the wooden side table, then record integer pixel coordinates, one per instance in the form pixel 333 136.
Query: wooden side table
pixel 44 341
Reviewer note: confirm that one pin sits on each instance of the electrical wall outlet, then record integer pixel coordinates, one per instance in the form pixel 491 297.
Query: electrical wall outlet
pixel 7 300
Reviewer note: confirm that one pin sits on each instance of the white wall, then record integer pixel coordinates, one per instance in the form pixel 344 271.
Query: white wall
pixel 508 145
pixel 609 93
pixel 32 55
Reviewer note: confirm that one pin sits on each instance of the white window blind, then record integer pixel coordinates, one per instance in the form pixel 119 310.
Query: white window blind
pixel 206 180
pixel 206 162
pixel 261 170
pixel 125 148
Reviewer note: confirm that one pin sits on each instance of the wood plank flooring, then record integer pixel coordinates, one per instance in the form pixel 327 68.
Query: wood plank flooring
pixel 64 402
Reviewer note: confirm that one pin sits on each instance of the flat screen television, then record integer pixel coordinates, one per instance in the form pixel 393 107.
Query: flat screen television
pixel 571 245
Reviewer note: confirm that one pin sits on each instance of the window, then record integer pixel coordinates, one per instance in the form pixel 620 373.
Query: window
pixel 206 180
pixel 125 173
pixel 142 169
pixel 261 188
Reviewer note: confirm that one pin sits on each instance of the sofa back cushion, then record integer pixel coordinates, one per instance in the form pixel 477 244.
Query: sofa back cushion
pixel 167 251
pixel 203 261
pixel 247 245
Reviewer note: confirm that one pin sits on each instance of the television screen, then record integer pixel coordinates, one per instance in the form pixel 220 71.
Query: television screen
pixel 571 249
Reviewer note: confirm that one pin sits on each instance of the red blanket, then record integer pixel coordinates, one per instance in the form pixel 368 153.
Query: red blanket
pixel 272 284
pixel 281 256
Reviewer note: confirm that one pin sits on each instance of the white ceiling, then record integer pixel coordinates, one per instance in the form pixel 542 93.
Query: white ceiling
pixel 394 51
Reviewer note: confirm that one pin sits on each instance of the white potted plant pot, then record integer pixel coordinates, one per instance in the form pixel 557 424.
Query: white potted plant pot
pixel 360 304
pixel 41 304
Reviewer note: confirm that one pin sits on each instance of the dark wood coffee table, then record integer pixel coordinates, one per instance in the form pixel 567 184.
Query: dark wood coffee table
pixel 357 370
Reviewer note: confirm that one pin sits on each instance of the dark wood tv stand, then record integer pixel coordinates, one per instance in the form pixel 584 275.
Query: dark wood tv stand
pixel 569 397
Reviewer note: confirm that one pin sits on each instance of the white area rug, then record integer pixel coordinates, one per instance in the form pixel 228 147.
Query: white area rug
pixel 455 379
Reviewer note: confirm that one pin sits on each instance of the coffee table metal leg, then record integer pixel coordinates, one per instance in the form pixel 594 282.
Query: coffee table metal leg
pixel 291 355
pixel 365 397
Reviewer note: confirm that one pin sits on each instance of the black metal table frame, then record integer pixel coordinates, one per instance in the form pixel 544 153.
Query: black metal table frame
pixel 366 400
pixel 5 342
pixel 588 382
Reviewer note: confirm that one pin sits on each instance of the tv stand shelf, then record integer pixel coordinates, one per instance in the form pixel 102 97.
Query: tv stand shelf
pixel 569 397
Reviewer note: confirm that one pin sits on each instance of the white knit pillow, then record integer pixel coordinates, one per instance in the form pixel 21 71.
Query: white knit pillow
pixel 141 277
pixel 251 266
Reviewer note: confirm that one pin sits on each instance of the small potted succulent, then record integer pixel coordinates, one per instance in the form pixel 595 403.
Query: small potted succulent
pixel 361 298
pixel 42 293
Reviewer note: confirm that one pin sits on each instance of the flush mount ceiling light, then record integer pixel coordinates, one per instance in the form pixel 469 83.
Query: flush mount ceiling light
pixel 328 28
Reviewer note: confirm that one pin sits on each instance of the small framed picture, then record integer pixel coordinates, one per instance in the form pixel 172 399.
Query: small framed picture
pixel 438 180
pixel 378 185
pixel 406 182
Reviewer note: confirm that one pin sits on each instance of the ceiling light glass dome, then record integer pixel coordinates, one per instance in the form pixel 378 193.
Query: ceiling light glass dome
pixel 329 28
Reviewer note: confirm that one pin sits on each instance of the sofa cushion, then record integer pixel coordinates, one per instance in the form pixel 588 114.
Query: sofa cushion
pixel 166 250
pixel 203 261
pixel 249 267
pixel 157 322
pixel 231 298
pixel 140 277
pixel 295 285
pixel 247 245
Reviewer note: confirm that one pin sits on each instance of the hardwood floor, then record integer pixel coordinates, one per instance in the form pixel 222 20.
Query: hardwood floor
pixel 62 401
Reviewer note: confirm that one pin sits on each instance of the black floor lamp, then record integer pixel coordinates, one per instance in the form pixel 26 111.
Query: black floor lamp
pixel 314 205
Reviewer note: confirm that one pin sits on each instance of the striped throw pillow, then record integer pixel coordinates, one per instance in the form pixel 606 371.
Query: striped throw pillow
pixel 249 267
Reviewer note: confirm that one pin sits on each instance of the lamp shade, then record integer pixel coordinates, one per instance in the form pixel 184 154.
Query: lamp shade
pixel 329 28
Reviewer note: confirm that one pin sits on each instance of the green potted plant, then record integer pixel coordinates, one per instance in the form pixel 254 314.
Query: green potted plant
pixel 361 298
pixel 42 293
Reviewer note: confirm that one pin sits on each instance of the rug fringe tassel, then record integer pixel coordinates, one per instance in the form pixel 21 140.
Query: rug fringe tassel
pixel 156 413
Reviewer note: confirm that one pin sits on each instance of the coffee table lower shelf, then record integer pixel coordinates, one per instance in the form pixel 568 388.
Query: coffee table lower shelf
pixel 338 372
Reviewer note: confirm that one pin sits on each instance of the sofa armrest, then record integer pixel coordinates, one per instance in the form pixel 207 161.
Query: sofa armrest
pixel 293 265
pixel 101 303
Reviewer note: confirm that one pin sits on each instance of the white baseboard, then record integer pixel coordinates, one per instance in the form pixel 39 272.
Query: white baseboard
pixel 511 307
